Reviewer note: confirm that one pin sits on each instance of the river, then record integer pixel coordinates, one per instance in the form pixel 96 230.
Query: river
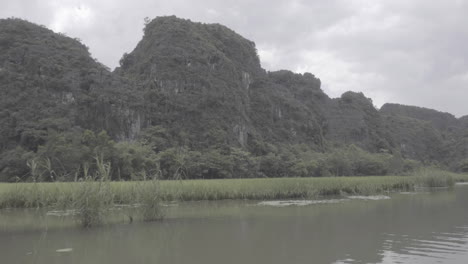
pixel 421 227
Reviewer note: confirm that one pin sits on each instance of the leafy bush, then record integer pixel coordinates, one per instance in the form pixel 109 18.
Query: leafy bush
pixel 133 161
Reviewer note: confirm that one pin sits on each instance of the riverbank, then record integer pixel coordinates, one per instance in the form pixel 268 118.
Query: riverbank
pixel 34 195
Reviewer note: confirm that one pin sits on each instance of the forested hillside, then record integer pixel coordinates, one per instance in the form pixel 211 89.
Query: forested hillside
pixel 192 101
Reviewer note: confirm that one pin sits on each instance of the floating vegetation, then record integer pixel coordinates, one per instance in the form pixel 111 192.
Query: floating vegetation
pixel 300 202
pixel 369 197
pixel 62 213
pixel 64 250
pixel 283 203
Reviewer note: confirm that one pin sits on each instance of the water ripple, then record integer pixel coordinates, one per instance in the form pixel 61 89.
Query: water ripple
pixel 438 246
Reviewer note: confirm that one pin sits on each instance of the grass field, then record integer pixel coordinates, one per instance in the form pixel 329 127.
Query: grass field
pixel 31 195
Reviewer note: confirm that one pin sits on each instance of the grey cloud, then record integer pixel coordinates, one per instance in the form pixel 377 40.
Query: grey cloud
pixel 411 52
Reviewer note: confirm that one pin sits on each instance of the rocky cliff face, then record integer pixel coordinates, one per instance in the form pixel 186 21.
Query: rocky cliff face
pixel 194 79
pixel 353 119
pixel 288 108
pixel 206 81
pixel 203 84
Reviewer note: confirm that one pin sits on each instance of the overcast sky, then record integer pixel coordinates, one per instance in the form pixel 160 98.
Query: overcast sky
pixel 409 52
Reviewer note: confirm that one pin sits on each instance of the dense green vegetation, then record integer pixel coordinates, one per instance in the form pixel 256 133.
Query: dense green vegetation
pixel 74 156
pixel 191 101
pixel 150 193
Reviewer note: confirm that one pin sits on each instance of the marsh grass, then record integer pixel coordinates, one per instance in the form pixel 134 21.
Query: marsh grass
pixel 280 188
pixel 148 197
pixel 92 201
pixel 434 178
pixel 92 197
pixel 89 196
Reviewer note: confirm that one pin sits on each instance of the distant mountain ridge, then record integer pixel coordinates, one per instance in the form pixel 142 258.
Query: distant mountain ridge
pixel 203 85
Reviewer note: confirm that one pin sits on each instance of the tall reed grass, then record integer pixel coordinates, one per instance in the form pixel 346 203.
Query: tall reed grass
pixel 149 200
pixel 433 178
pixel 90 199
pixel 97 195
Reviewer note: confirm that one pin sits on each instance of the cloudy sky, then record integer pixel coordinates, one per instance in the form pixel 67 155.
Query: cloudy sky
pixel 410 52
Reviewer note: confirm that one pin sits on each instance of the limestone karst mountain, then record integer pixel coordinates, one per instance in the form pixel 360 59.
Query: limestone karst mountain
pixel 200 88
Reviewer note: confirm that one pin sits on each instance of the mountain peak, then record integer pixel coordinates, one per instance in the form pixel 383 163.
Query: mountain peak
pixel 183 43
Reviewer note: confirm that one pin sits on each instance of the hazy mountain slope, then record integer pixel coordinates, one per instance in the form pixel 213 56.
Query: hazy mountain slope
pixel 440 120
pixel 427 134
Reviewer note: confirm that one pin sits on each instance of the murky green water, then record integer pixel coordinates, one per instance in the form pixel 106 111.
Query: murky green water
pixel 407 228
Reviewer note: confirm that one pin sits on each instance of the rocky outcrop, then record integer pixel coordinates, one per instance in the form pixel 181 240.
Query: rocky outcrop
pixel 352 119
pixel 194 78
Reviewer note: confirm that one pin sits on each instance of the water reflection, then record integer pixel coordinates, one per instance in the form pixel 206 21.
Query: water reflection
pixel 419 228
